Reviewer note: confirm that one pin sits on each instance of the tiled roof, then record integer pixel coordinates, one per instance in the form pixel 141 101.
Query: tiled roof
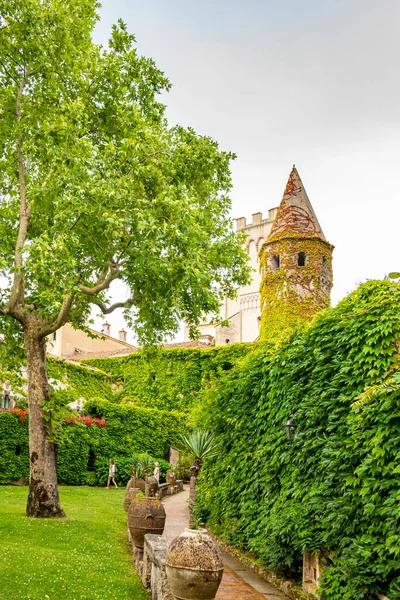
pixel 101 353
pixel 191 344
pixel 295 216
pixel 125 351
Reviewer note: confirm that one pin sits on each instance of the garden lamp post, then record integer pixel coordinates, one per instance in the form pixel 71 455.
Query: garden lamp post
pixel 291 428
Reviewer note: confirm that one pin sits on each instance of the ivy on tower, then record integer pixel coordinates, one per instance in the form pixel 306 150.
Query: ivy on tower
pixel 296 265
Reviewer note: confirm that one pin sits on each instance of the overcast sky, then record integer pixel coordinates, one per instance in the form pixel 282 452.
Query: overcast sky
pixel 310 82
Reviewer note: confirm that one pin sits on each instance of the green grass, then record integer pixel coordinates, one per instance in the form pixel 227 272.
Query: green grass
pixel 83 557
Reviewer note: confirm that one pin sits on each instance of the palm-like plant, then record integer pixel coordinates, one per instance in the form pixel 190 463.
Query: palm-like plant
pixel 132 469
pixel 200 445
pixel 146 464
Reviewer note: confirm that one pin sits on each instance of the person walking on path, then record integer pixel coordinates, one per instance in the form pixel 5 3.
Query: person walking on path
pixel 111 473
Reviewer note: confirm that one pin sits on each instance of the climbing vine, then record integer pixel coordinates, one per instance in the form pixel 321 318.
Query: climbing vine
pixel 293 294
pixel 336 487
pixel 171 379
pixel 81 381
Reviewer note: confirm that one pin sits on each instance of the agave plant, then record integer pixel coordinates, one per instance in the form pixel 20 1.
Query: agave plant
pixel 146 464
pixel 200 445
pixel 133 468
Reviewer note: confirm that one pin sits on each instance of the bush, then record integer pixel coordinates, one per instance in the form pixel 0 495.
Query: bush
pixel 87 443
pixel 335 488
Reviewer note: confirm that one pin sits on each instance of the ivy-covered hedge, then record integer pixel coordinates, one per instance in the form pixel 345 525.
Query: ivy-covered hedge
pixel 171 378
pixel 336 487
pixel 81 381
pixel 129 430
pixel 14 447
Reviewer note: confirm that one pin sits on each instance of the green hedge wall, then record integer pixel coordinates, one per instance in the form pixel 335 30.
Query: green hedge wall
pixel 336 487
pixel 82 381
pixel 130 430
pixel 171 379
pixel 14 447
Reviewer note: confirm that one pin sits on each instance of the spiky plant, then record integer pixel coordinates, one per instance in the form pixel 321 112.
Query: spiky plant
pixel 146 464
pixel 200 445
pixel 133 468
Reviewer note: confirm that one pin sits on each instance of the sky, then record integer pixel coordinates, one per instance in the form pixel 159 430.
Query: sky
pixel 314 83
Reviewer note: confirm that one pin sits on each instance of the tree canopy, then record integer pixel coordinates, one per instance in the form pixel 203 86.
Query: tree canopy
pixel 96 186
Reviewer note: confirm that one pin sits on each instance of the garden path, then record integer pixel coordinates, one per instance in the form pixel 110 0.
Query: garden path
pixel 238 582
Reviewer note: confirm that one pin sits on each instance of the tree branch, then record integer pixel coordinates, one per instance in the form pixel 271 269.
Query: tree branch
pixel 17 291
pixel 106 310
pixel 61 318
pixel 102 282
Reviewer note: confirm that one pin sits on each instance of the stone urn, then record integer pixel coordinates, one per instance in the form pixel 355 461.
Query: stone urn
pixel 145 515
pixel 129 496
pixel 171 479
pixel 194 566
pixel 153 486
pixel 136 483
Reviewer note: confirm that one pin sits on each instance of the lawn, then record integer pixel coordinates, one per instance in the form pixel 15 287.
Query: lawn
pixel 83 557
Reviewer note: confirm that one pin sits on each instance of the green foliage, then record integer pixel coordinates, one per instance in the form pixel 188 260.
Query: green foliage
pixel 105 184
pixel 335 488
pixel 129 429
pixel 14 448
pixel 199 444
pixel 137 464
pixel 292 295
pixel 171 379
pixel 82 382
pixel 85 556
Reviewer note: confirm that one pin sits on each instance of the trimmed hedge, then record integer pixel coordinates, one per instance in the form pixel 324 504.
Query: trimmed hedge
pixel 81 381
pixel 336 487
pixel 171 378
pixel 129 430
pixel 14 447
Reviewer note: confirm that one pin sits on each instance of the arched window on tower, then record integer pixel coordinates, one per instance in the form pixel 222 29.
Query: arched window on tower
pixel 275 262
pixel 301 259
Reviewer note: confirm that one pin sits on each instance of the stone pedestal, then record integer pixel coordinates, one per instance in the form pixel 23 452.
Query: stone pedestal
pixel 155 551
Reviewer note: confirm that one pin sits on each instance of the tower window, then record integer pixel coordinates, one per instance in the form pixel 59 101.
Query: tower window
pixel 324 261
pixel 275 262
pixel 301 259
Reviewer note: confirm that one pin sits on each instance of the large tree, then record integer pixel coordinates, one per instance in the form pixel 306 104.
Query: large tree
pixel 96 187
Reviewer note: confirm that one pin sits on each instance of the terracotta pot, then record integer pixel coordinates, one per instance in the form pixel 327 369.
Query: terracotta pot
pixel 194 566
pixel 129 496
pixel 171 479
pixel 145 515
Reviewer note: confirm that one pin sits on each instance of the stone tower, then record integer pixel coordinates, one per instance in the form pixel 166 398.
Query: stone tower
pixel 296 265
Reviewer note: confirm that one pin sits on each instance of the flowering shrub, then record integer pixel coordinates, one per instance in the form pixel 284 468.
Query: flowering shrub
pixel 88 421
pixel 16 411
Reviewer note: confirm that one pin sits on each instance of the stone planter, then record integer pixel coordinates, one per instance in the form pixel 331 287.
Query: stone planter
pixel 153 486
pixel 136 483
pixel 171 479
pixel 146 515
pixel 129 496
pixel 194 566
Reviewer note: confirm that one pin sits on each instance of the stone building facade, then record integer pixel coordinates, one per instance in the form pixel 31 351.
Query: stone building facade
pixel 243 313
pixel 292 220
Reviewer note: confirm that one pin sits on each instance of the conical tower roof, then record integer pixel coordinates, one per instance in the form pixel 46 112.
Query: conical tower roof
pixel 295 217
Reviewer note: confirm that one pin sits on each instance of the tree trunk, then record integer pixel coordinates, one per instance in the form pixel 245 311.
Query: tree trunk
pixel 192 500
pixel 43 498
